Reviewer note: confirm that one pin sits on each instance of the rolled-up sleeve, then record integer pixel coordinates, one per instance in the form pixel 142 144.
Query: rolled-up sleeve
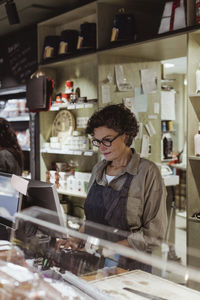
pixel 151 223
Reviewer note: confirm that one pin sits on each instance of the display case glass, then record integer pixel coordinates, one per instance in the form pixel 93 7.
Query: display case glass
pixel 94 259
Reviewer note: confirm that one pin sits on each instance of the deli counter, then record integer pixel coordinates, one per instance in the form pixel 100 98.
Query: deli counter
pixel 51 255
pixel 39 263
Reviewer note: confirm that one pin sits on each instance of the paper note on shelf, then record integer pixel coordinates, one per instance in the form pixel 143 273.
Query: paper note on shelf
pixel 145 146
pixel 105 89
pixel 150 128
pixel 122 84
pixel 168 105
pixel 140 101
pixel 130 103
pixel 148 80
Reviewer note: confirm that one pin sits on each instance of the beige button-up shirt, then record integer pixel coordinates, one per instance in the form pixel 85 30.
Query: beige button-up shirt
pixel 146 203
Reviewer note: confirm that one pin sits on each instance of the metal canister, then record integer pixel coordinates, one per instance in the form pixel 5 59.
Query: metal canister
pixel 169 125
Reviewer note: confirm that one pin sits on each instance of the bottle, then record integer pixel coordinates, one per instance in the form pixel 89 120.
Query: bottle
pixel 164 127
pixel 198 80
pixel 167 146
pixel 197 142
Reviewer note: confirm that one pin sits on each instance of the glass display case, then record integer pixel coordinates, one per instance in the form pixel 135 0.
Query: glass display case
pixel 85 260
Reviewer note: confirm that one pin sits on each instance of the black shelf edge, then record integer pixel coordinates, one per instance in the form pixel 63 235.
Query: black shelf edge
pixel 66 57
pixel 13 90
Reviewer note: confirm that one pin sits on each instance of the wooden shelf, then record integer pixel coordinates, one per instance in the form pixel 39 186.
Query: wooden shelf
pixel 195 101
pixel 19 119
pixel 166 131
pixel 195 96
pixel 68 152
pixel 78 58
pixel 168 80
pixel 169 159
pixel 13 90
pixel 57 107
pixel 193 157
pixel 148 49
pixel 179 166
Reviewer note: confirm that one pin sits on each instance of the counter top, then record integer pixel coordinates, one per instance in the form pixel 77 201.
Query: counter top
pixel 119 287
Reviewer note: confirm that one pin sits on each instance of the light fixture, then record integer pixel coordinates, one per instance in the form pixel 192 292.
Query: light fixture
pixel 168 65
pixel 12 13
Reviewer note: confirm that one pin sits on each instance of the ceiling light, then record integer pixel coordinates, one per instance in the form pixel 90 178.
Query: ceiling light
pixel 168 65
pixel 12 13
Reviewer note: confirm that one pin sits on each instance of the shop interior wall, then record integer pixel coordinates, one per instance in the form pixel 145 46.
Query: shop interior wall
pixel 132 69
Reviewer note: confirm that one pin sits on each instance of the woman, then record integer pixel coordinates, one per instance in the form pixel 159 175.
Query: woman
pixel 125 191
pixel 11 155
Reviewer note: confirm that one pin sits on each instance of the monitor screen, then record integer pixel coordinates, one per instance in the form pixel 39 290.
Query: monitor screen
pixel 41 194
pixel 9 200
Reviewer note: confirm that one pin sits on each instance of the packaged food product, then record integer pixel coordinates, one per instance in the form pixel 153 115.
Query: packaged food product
pixel 11 253
pixel 21 283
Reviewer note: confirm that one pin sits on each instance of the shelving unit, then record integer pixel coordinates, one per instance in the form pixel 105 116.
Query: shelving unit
pixel 89 69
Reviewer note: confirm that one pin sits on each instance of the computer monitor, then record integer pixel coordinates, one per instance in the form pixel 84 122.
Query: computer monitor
pixel 9 200
pixel 41 194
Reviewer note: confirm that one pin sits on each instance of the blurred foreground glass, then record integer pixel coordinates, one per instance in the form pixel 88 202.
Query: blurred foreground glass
pixel 98 267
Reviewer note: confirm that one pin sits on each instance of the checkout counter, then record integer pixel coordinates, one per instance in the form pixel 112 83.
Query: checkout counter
pixel 98 272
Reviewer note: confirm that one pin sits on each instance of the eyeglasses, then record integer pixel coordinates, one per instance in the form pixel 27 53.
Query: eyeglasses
pixel 106 142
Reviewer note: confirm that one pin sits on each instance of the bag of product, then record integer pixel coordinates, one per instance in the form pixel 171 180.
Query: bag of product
pixel 39 92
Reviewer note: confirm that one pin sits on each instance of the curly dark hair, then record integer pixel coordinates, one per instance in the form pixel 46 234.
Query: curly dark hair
pixel 117 117
pixel 8 141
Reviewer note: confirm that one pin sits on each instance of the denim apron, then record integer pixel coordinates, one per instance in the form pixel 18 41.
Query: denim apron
pixel 106 206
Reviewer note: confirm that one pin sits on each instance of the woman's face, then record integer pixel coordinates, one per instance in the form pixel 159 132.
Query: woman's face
pixel 117 146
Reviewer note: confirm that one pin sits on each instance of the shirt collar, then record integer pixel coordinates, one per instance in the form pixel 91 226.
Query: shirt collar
pixel 131 168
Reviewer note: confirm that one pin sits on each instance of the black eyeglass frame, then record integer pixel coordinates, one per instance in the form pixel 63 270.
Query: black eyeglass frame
pixel 105 142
